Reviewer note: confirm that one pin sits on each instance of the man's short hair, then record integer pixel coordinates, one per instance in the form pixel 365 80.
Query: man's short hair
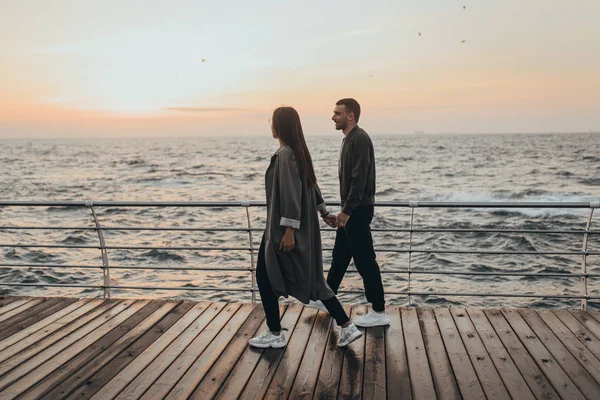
pixel 352 106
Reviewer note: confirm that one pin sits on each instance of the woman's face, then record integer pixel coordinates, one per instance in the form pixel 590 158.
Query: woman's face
pixel 275 136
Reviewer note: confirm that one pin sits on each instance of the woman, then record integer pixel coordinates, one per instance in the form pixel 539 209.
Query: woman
pixel 290 260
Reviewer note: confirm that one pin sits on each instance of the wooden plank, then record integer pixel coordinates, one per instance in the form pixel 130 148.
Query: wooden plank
pixel 594 314
pixel 4 300
pixel 308 373
pixel 559 348
pixel 30 330
pixel 466 377
pixel 544 360
pixel 513 380
pixel 207 358
pixel 533 375
pixel 236 381
pixel 351 379
pixel 26 314
pixel 260 379
pixel 588 321
pixel 418 364
pixel 580 331
pixel 52 306
pixel 374 384
pixel 99 377
pixel 397 375
pixel 29 347
pixel 484 367
pixel 28 374
pixel 183 343
pixel 77 378
pixel 445 383
pixel 282 381
pixel 91 353
pixel 14 304
pixel 578 348
pixel 219 372
pixel 129 373
pixel 51 333
pixel 17 310
pixel 328 380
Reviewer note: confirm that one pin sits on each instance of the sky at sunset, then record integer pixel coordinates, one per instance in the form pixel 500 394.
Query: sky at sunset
pixel 189 68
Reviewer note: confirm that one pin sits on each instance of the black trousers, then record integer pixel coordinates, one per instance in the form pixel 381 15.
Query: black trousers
pixel 355 241
pixel 270 301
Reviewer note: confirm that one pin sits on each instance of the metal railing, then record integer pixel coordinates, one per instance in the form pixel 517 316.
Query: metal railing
pixel 104 248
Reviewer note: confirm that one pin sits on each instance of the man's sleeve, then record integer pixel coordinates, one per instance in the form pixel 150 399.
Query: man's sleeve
pixel 360 171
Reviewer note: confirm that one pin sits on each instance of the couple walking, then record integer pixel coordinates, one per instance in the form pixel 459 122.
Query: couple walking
pixel 290 256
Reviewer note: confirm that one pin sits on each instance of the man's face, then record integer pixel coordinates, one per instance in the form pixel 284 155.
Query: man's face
pixel 340 117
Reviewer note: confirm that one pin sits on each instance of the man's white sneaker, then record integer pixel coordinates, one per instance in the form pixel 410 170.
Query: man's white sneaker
pixel 348 335
pixel 267 339
pixel 373 319
pixel 317 305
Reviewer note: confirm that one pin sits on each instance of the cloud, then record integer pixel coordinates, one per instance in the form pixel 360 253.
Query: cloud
pixel 204 109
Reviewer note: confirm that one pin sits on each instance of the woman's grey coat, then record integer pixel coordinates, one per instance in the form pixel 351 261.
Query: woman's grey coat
pixel 291 202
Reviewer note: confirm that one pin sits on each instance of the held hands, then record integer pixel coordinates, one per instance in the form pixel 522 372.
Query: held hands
pixel 288 242
pixel 342 220
pixel 329 219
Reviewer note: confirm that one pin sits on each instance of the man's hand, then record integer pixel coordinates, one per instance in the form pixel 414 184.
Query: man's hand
pixel 288 242
pixel 330 219
pixel 342 220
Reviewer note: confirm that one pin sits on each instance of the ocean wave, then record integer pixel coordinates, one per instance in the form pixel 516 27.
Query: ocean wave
pixel 162 255
pixel 75 240
pixel 591 158
pixel 590 182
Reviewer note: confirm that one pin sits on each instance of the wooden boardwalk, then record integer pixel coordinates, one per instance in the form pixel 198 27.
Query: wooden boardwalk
pixel 56 348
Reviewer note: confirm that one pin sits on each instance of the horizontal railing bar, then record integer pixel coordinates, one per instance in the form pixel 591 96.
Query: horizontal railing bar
pixel 50 246
pixel 383 271
pixel 50 266
pixel 51 285
pixel 132 203
pixel 445 230
pixel 406 204
pixel 58 228
pixel 234 289
pixel 189 268
pixel 399 230
pixel 108 228
pixel 550 296
pixel 380 250
pixel 539 274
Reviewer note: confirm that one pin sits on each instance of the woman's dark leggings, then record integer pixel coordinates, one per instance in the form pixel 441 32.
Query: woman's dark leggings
pixel 271 302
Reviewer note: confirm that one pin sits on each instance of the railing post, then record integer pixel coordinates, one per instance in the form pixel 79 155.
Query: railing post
pixel 252 273
pixel 412 216
pixel 584 302
pixel 105 266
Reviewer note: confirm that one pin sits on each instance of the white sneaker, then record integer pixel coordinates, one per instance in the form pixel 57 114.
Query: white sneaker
pixel 267 339
pixel 317 305
pixel 373 319
pixel 348 335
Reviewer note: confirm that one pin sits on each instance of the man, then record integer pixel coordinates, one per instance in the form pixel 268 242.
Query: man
pixel 353 239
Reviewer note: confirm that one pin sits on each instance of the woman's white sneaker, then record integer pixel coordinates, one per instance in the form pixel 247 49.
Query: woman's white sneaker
pixel 373 319
pixel 267 339
pixel 348 335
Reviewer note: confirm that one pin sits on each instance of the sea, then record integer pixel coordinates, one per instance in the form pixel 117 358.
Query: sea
pixel 419 167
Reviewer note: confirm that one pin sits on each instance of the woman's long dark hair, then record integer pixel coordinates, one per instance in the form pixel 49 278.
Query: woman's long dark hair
pixel 287 126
